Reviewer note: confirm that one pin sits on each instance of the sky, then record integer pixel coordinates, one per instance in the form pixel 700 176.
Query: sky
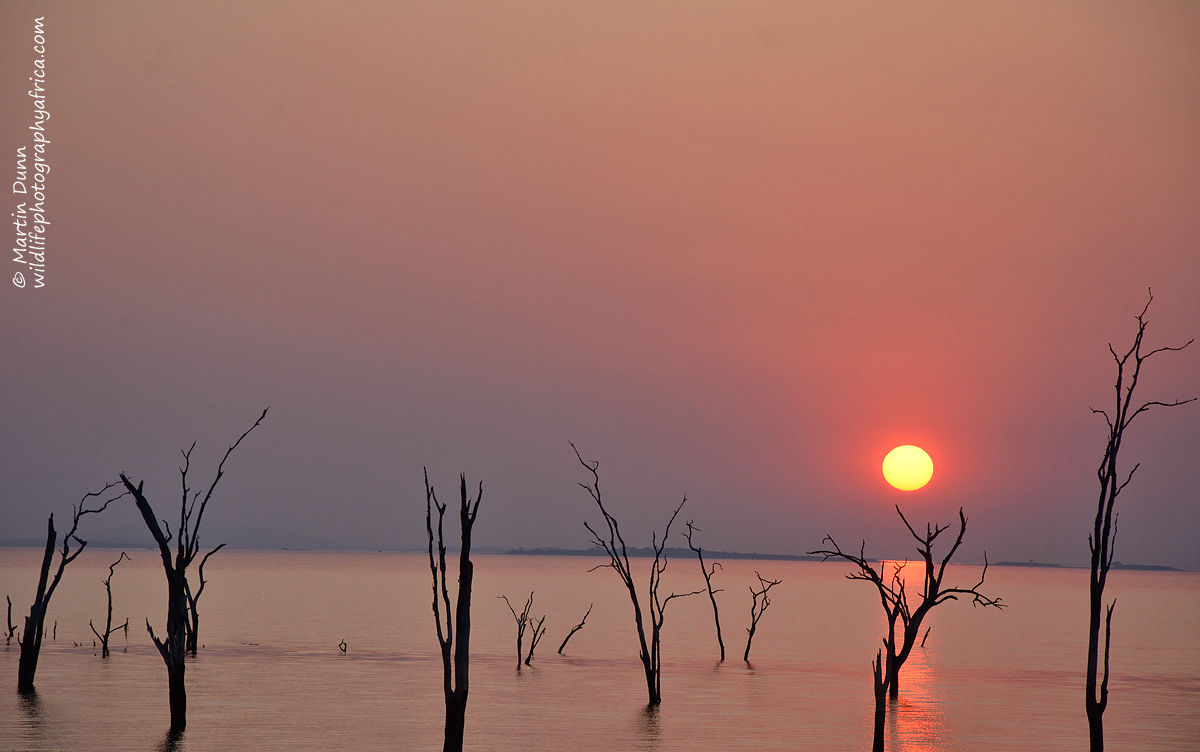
pixel 733 251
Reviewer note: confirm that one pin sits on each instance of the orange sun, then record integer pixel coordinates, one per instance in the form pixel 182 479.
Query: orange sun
pixel 907 467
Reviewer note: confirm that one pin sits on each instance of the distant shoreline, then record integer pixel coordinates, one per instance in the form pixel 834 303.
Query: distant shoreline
pixel 1115 565
pixel 649 552
pixel 632 551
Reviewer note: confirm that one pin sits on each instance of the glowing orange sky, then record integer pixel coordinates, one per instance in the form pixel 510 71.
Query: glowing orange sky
pixel 738 251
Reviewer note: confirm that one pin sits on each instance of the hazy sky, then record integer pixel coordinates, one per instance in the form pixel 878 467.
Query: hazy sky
pixel 732 250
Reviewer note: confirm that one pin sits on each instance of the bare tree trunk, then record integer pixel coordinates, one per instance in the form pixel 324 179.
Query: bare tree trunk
pixel 193 627
pixel 618 560
pixel 1103 536
pixel 12 628
pixel 522 620
pixel 35 623
pixel 758 606
pixel 108 627
pixel 455 674
pixel 712 594
pixel 174 650
pixel 538 633
pixel 881 700
pixel 575 629
pixel 178 695
pixel 187 544
pixel 31 642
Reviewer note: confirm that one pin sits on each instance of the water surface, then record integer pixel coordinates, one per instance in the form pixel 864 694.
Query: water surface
pixel 271 676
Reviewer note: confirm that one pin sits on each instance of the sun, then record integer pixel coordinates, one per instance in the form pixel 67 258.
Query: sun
pixel 907 467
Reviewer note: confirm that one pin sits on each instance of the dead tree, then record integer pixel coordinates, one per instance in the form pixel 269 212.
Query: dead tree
pixel 618 560
pixel 12 628
pixel 1100 541
pixel 35 623
pixel 539 632
pixel 193 625
pixel 108 627
pixel 455 673
pixel 881 689
pixel 187 545
pixel 575 629
pixel 758 607
pixel 522 620
pixel 894 597
pixel 708 575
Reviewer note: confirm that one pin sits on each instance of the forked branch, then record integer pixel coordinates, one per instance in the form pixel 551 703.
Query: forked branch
pixel 757 608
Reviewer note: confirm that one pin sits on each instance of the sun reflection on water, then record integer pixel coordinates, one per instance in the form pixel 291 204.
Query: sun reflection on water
pixel 917 721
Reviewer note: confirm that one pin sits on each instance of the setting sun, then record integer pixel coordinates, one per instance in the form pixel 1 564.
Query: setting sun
pixel 907 467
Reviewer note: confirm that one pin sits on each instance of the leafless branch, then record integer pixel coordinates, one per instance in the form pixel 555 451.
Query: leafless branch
pixel 708 575
pixel 576 628
pixel 904 621
pixel 522 620
pixel 539 631
pixel 614 546
pixel 1102 539
pixel 757 608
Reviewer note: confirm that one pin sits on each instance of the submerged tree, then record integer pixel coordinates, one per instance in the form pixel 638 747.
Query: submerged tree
pixel 708 573
pixel 758 606
pixel 455 672
pixel 12 628
pixel 35 623
pixel 108 627
pixel 187 545
pixel 539 631
pixel 880 683
pixel 894 597
pixel 618 560
pixel 1100 541
pixel 193 623
pixel 575 628
pixel 522 620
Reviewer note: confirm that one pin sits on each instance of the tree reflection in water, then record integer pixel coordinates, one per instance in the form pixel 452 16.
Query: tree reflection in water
pixel 33 715
pixel 649 732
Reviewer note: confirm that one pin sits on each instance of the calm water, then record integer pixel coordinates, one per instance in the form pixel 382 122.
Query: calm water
pixel 271 676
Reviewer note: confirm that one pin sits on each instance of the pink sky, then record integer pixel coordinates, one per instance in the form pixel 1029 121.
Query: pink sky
pixel 737 251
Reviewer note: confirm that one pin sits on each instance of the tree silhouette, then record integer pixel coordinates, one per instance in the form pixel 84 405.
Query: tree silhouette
pixel 575 628
pixel 894 596
pixel 539 632
pixel 1100 541
pixel 708 573
pixel 456 671
pixel 618 560
pixel 12 628
pixel 193 623
pixel 35 623
pixel 187 545
pixel 758 606
pixel 522 620
pixel 108 627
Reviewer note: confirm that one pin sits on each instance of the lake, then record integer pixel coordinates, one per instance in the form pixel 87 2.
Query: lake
pixel 272 677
